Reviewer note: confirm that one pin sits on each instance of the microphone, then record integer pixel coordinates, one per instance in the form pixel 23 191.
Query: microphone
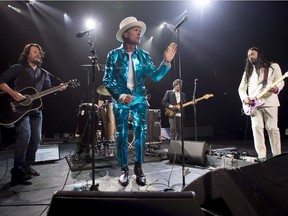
pixel 195 80
pixel 82 33
pixel 184 19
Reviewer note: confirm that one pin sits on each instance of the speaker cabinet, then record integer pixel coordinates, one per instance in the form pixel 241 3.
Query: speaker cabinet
pixel 124 203
pixel 153 125
pixel 258 189
pixel 194 152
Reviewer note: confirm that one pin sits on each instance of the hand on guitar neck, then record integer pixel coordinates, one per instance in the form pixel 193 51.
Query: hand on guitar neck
pixel 171 112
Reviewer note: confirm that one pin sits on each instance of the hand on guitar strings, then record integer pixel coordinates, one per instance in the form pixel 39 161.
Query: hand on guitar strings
pixel 17 96
pixel 249 101
pixel 173 107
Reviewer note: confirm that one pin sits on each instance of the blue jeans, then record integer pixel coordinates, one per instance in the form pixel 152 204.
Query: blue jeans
pixel 28 138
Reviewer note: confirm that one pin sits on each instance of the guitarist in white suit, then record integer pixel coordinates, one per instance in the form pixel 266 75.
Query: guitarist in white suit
pixel 27 73
pixel 170 101
pixel 262 76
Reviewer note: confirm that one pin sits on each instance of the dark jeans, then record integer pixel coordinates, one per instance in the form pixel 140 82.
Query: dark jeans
pixel 28 138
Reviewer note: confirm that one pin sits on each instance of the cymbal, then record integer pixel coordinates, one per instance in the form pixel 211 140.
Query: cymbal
pixel 103 91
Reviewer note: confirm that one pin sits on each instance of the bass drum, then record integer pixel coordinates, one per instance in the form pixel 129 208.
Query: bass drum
pixel 84 121
pixel 108 122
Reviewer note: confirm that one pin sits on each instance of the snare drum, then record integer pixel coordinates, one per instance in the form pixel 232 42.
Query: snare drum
pixel 108 122
pixel 84 120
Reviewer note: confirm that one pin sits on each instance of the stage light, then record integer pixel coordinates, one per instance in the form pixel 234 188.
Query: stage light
pixel 90 24
pixel 202 3
pixel 164 25
pixel 15 9
pixel 67 19
pixel 31 2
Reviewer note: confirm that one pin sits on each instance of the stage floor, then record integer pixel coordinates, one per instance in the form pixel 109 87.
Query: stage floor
pixel 56 175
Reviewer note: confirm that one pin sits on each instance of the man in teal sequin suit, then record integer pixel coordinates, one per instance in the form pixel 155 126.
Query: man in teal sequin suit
pixel 126 69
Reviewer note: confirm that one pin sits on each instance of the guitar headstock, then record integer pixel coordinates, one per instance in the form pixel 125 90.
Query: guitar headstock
pixel 208 96
pixel 74 83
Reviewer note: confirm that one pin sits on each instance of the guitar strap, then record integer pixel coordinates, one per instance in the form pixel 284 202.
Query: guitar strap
pixel 266 67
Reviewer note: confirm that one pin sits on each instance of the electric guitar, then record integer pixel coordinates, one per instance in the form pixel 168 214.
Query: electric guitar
pixel 249 109
pixel 12 111
pixel 171 113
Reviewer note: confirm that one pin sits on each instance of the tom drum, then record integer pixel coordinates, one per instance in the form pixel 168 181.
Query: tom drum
pixel 108 122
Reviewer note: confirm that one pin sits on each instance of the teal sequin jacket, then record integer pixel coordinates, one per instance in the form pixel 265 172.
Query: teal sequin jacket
pixel 116 73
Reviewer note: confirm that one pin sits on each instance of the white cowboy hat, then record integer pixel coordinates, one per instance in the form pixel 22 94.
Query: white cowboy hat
pixel 127 23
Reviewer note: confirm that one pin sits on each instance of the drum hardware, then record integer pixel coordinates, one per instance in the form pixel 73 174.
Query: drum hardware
pixel 131 139
pixel 84 125
pixel 104 138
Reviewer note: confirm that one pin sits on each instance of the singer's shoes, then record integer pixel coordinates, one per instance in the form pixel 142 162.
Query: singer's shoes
pixel 124 178
pixel 140 177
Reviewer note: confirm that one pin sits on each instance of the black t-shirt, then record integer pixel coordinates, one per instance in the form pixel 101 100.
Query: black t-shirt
pixel 22 75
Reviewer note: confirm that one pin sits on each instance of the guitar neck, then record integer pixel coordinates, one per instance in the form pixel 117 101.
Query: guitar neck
pixel 192 102
pixel 46 92
pixel 261 94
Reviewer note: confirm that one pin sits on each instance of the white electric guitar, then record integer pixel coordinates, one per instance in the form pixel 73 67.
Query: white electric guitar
pixel 249 109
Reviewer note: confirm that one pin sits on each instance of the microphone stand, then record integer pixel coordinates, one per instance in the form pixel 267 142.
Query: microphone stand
pixel 94 60
pixel 195 121
pixel 181 109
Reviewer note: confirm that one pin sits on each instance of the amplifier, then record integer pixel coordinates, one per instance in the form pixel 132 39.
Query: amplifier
pixel 153 125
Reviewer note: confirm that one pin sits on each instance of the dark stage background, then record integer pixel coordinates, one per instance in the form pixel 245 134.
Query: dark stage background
pixel 213 46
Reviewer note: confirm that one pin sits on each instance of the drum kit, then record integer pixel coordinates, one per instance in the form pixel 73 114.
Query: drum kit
pixel 105 126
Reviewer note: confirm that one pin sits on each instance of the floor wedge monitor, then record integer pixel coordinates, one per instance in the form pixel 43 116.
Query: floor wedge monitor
pixel 124 203
pixel 194 152
pixel 257 189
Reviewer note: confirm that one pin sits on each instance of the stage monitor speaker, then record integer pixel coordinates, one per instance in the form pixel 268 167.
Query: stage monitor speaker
pixel 194 152
pixel 258 189
pixel 124 203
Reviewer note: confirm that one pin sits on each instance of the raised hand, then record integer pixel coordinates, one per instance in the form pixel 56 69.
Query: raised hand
pixel 170 52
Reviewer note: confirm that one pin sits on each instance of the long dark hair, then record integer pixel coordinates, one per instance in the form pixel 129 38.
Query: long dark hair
pixel 24 55
pixel 261 62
